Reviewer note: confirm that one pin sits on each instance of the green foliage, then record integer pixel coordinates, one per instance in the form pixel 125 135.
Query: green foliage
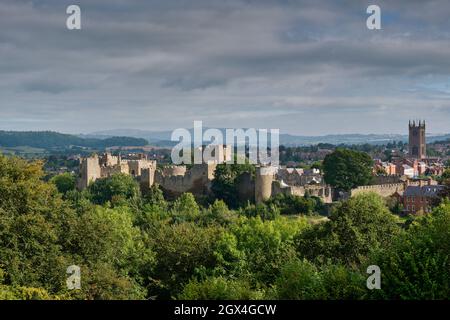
pixel 231 260
pixel 291 204
pixel 302 280
pixel 267 245
pixel 346 169
pixel 155 197
pixel 116 189
pixel 64 182
pixel 394 205
pixel 106 235
pixel 299 280
pixel 182 251
pixel 226 180
pixel 25 293
pixel 219 288
pixel 185 208
pixel 264 211
pixel 445 178
pixel 30 212
pixel 101 281
pixel 218 213
pixel 417 266
pixel 356 226
pixel 40 236
pixel 143 247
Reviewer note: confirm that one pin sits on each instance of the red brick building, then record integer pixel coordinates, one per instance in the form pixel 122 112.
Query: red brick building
pixel 420 198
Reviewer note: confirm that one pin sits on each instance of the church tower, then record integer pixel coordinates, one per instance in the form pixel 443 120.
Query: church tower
pixel 417 143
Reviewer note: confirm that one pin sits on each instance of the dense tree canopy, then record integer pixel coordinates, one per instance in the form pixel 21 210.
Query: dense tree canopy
pixel 117 189
pixel 226 180
pixel 130 245
pixel 417 266
pixel 346 169
pixel 64 182
pixel 355 227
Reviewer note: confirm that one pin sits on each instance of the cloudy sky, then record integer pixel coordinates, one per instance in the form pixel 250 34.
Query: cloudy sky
pixel 306 67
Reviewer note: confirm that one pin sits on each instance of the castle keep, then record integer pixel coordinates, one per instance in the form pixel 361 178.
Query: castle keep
pixel 174 180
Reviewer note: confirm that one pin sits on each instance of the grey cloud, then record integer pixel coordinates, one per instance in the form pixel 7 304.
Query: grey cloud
pixel 243 62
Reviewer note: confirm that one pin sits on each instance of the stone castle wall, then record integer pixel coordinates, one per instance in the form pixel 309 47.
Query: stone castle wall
pixel 384 190
pixel 175 180
pixel 268 184
pixel 323 192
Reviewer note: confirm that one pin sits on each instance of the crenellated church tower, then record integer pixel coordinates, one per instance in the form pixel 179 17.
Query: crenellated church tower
pixel 417 142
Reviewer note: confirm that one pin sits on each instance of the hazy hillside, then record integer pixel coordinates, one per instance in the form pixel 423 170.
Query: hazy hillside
pixel 48 139
pixel 163 137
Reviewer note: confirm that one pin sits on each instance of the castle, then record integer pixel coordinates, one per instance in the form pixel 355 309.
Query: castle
pixel 268 181
pixel 197 179
pixel 174 179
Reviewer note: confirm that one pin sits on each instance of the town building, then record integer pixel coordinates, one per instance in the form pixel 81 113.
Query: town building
pixel 419 199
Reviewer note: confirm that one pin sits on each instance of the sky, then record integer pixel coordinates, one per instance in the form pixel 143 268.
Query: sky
pixel 305 67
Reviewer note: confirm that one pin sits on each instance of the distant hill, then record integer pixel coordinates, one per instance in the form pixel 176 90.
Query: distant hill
pixel 150 136
pixel 125 137
pixel 49 140
pixel 162 138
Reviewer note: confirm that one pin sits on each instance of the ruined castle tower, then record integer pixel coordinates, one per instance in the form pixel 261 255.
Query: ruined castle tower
pixel 417 143
pixel 89 171
pixel 263 183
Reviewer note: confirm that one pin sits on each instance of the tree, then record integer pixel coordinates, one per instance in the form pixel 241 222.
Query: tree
pixel 218 213
pixel 182 250
pixel 226 180
pixel 346 169
pixel 445 192
pixel 155 197
pixel 116 189
pixel 394 205
pixel 264 211
pixel 64 182
pixel 300 280
pixel 220 288
pixel 110 251
pixel 30 214
pixel 185 208
pixel 355 227
pixel 417 265
pixel 291 204
pixel 267 245
pixel 445 177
